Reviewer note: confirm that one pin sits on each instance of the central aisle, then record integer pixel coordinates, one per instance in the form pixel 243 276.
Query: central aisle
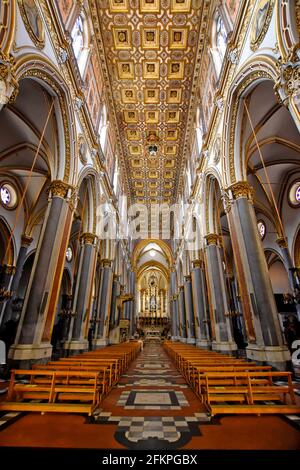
pixel 152 405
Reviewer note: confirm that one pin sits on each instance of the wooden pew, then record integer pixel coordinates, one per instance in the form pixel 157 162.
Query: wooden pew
pixel 58 386
pixel 244 392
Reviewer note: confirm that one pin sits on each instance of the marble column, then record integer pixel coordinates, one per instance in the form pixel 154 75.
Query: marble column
pixel 223 340
pixel 104 303
pixel 8 312
pixel 173 306
pixel 288 262
pixel 132 284
pixel 35 327
pixel 115 293
pixel 200 304
pixel 262 323
pixel 82 302
pixel 189 310
pixel 182 315
pixel 7 273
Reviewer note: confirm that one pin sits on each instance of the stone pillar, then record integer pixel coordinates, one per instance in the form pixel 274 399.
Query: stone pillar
pixel 182 315
pixel 82 301
pixel 25 242
pixel 132 281
pixel 261 318
pixel 35 327
pixel 115 293
pixel 199 303
pixel 6 275
pixel 223 340
pixel 189 310
pixel 104 303
pixel 173 307
pixel 288 262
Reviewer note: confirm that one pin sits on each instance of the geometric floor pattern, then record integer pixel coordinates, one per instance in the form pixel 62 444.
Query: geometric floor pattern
pixel 156 412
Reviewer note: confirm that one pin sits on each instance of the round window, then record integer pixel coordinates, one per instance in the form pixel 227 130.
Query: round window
pixel 294 194
pixel 261 229
pixel 8 196
pixel 69 254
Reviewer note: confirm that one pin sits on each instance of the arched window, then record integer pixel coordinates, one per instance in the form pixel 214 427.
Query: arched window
pixel 103 127
pixel 80 42
pixel 219 42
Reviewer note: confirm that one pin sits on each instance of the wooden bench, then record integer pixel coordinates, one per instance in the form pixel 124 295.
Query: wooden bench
pixel 57 387
pixel 248 390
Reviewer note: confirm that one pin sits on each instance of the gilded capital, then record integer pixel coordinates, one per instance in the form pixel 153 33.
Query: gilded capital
pixel 212 239
pixel 198 263
pixel 8 269
pixel 9 87
pixel 282 242
pixel 241 189
pixel 106 263
pixel 26 240
pixel 59 188
pixel 88 238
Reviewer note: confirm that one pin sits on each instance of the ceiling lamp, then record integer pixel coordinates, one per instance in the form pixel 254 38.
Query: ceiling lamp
pixel 152 253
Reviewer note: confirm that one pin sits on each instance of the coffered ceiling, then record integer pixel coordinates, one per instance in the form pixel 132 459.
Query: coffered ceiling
pixel 151 52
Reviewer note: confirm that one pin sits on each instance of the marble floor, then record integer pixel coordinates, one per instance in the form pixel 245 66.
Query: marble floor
pixel 151 408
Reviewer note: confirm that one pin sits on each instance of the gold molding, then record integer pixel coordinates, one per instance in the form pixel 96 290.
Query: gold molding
pixel 256 41
pixel 38 41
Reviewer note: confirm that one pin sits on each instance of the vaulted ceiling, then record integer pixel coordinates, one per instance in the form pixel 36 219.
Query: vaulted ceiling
pixel 151 52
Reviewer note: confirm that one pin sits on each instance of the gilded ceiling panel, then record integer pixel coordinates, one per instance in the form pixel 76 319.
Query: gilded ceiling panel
pixel 151 48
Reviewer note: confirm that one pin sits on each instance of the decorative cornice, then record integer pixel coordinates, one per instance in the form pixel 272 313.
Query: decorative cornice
pixel 212 239
pixel 241 189
pixel 26 240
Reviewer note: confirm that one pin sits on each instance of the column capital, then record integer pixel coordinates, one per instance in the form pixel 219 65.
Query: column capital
pixel 61 189
pixel 212 239
pixel 282 242
pixel 26 240
pixel 106 263
pixel 241 189
pixel 8 269
pixel 89 238
pixel 9 85
pixel 187 278
pixel 198 263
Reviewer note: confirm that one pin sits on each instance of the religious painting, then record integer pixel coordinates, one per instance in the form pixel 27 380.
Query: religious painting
pixel 261 22
pixel 33 22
